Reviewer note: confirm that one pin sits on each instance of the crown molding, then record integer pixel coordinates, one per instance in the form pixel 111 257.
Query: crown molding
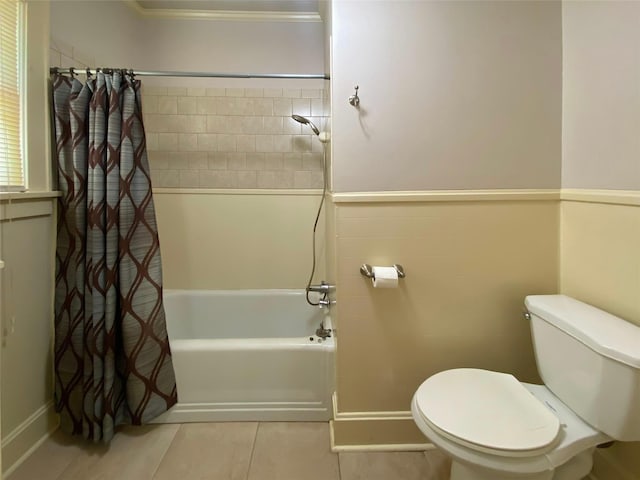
pixel 224 15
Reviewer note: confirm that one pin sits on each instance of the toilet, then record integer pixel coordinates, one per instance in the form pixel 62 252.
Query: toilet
pixel 496 428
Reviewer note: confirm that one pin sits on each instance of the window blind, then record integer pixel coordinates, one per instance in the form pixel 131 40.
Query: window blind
pixel 11 164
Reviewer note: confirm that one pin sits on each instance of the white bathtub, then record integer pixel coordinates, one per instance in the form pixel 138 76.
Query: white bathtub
pixel 248 355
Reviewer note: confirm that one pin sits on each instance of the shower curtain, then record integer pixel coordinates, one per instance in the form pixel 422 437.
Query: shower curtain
pixel 112 358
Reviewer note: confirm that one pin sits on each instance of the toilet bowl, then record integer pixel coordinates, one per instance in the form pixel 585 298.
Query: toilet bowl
pixel 496 428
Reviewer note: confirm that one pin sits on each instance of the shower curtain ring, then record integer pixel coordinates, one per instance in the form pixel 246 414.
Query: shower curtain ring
pixel 88 73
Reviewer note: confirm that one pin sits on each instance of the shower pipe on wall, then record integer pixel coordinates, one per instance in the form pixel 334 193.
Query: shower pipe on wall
pixel 145 73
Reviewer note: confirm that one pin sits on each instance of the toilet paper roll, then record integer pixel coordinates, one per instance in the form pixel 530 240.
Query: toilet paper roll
pixel 384 277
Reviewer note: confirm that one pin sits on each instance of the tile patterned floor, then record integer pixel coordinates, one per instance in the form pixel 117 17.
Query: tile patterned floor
pixel 224 451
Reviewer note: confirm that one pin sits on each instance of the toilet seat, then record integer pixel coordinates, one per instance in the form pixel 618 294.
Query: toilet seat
pixel 487 411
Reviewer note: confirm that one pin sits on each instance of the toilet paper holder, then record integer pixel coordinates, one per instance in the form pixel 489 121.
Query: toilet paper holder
pixel 367 271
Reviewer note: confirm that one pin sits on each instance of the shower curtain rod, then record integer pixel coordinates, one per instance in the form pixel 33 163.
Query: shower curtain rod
pixel 149 73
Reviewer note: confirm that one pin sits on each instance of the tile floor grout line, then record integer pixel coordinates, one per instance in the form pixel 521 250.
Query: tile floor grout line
pixel 175 434
pixel 253 449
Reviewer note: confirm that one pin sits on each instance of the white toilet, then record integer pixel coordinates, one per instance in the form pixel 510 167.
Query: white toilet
pixel 496 428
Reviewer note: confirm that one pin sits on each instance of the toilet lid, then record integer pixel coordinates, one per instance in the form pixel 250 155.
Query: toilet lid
pixel 487 409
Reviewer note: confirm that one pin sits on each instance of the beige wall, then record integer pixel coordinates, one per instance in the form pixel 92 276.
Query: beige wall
pixel 601 98
pixel 148 43
pixel 600 234
pixel 454 95
pixel 469 265
pixel 600 265
pixel 237 241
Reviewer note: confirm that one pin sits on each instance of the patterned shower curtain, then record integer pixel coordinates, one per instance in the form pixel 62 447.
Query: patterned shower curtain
pixel 112 358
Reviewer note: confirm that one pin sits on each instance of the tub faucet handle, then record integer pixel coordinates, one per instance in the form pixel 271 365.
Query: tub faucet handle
pixel 324 288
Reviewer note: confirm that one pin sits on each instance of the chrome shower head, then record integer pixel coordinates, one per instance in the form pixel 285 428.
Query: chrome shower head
pixel 306 121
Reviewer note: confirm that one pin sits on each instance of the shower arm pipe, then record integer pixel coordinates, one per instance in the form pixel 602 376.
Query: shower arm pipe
pixel 151 73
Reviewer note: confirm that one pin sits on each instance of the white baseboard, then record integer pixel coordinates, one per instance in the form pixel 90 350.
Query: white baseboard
pixel 27 437
pixel 245 412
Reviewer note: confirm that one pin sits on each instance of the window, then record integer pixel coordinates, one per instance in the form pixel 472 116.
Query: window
pixel 11 158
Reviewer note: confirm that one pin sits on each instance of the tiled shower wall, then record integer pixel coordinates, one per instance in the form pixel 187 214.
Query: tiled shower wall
pixel 233 137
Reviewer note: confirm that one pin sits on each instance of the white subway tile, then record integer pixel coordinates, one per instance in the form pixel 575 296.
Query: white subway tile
pixel 301 179
pixel 207 142
pixel 197 123
pixel 158 161
pixel 214 92
pixel 263 106
pixel 217 161
pixel 311 93
pixel 189 178
pixel 214 123
pixel 196 92
pixel 154 90
pixel 275 179
pixel 206 106
pixel 247 179
pixel 273 161
pixel 182 123
pixel 317 107
pixel 252 125
pixel 292 161
pixel 178 160
pixel 282 143
pixel 317 180
pixel 264 143
pixel 168 105
pixel 282 107
pixel 273 92
pixel 272 124
pixel 168 142
pixel 243 106
pixel 254 92
pixel 226 143
pixel 255 161
pixel 218 179
pixel 149 104
pixel 152 141
pixel 311 161
pixel 291 92
pixel 246 143
pixel 168 179
pixel 301 106
pixel 302 143
pixel 234 92
pixel 176 91
pixel 187 104
pixel 231 125
pixel 187 142
pixel 236 161
pixel 198 161
pixel 225 105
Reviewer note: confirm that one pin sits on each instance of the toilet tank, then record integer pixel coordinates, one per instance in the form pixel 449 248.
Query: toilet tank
pixel 589 359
